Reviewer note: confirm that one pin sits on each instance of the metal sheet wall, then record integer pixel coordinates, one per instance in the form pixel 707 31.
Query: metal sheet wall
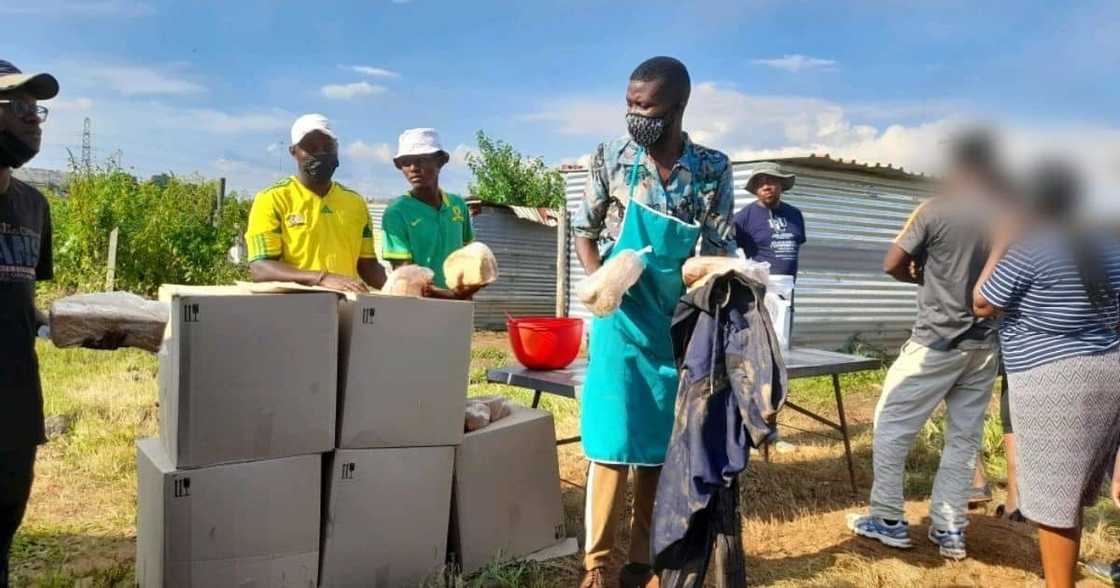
pixel 526 254
pixel 842 292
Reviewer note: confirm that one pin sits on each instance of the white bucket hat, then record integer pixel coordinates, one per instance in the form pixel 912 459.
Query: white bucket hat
pixel 418 142
pixel 308 123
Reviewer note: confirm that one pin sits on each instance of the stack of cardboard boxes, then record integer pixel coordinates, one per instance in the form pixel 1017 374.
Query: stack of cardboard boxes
pixel 311 440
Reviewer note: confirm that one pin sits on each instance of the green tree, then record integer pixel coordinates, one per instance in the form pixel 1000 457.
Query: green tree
pixel 503 176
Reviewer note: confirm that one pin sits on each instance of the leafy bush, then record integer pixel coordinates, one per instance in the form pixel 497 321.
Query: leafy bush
pixel 502 176
pixel 167 232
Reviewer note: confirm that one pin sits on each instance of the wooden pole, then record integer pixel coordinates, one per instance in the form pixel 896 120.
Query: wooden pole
pixel 111 270
pixel 220 200
pixel 562 263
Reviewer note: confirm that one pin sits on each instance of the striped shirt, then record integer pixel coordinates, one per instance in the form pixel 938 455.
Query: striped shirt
pixel 1047 313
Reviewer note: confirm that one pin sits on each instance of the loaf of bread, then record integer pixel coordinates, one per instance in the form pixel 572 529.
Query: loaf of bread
pixel 602 291
pixel 408 280
pixel 472 266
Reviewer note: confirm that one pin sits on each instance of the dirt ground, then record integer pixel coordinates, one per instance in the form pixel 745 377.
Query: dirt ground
pixel 80 526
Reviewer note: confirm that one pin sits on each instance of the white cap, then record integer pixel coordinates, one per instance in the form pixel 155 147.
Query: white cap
pixel 311 122
pixel 418 142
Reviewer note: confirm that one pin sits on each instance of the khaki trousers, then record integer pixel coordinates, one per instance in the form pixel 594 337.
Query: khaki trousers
pixel 606 496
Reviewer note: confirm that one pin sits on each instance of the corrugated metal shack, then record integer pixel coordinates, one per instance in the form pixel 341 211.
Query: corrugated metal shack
pixel 852 212
pixel 524 243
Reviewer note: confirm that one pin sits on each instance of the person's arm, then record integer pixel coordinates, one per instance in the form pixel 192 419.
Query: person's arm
pixel 1116 480
pixel 588 221
pixel 371 272
pixel 900 262
pixel 395 246
pixel 1005 279
pixel 717 235
pixel 44 267
pixel 901 266
pixel 368 267
pixel 274 270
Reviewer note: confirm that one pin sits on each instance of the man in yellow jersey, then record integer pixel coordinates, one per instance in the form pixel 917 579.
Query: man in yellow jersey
pixel 309 229
pixel 427 224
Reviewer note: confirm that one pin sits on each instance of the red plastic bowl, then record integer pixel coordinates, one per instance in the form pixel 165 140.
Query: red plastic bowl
pixel 545 343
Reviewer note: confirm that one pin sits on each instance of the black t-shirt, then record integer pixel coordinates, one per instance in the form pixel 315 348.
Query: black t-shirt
pixel 25 256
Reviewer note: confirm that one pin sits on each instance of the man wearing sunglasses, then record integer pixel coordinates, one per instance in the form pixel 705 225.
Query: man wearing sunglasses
pixel 25 257
pixel 426 225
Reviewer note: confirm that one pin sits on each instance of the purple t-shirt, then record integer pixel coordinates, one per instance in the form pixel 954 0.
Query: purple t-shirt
pixel 773 236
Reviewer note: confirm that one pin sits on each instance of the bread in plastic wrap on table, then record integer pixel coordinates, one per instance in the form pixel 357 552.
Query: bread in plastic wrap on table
pixel 408 280
pixel 472 266
pixel 108 320
pixel 477 415
pixel 498 405
pixel 602 291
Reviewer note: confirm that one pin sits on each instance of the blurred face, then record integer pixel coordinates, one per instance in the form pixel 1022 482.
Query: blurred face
pixel 422 171
pixel 20 119
pixel 648 99
pixel 768 190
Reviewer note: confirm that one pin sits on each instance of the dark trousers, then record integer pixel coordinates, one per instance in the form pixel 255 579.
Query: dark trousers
pixel 17 469
pixel 712 531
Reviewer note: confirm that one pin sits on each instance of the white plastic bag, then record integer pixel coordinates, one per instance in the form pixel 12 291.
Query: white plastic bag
pixel 477 415
pixel 408 280
pixel 108 320
pixel 472 266
pixel 602 291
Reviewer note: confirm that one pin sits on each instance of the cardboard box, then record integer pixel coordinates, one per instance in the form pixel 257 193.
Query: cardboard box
pixel 404 369
pixel 245 524
pixel 385 517
pixel 507 499
pixel 247 376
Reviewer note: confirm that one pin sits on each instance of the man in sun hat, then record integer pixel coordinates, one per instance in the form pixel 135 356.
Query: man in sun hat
pixel 768 229
pixel 426 224
pixel 25 258
pixel 308 228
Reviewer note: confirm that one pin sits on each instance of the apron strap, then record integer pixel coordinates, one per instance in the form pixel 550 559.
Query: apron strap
pixel 638 162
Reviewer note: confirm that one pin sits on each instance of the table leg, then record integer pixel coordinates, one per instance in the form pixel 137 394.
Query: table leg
pixel 536 398
pixel 844 431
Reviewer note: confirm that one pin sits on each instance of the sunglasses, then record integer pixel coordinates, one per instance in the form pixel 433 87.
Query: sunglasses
pixel 22 109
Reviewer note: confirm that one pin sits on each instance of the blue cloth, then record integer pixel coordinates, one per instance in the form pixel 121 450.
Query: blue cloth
pixel 732 382
pixel 774 236
pixel 1047 313
pixel 699 190
pixel 626 412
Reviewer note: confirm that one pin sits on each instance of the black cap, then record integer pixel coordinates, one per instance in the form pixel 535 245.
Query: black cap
pixel 41 86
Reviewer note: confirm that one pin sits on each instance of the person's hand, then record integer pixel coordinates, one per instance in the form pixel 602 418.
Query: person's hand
pixel 439 293
pixel 467 292
pixel 342 284
pixel 917 272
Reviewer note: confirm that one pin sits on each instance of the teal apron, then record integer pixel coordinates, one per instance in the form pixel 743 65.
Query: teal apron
pixel 629 395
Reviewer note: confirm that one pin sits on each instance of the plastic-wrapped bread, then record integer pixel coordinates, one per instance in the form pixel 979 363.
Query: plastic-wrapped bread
pixel 477 415
pixel 498 405
pixel 602 291
pixel 408 280
pixel 472 266
pixel 108 320
pixel 697 270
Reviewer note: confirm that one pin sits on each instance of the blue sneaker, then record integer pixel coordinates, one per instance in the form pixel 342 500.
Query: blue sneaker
pixel 950 543
pixel 896 535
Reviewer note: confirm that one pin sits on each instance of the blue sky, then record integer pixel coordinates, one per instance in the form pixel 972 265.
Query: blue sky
pixel 212 87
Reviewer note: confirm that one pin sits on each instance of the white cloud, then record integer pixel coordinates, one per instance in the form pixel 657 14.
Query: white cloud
pixel 70 105
pixel 367 153
pixel 79 8
pixel 796 63
pixel 460 154
pixel 369 70
pixel 350 91
pixel 138 80
pixel 224 123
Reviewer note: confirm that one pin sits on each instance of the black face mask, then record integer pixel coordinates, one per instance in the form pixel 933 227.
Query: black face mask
pixel 14 152
pixel 646 130
pixel 321 166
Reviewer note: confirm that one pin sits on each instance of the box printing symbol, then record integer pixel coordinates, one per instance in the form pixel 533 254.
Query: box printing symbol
pixel 190 313
pixel 348 471
pixel 182 487
pixel 367 315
